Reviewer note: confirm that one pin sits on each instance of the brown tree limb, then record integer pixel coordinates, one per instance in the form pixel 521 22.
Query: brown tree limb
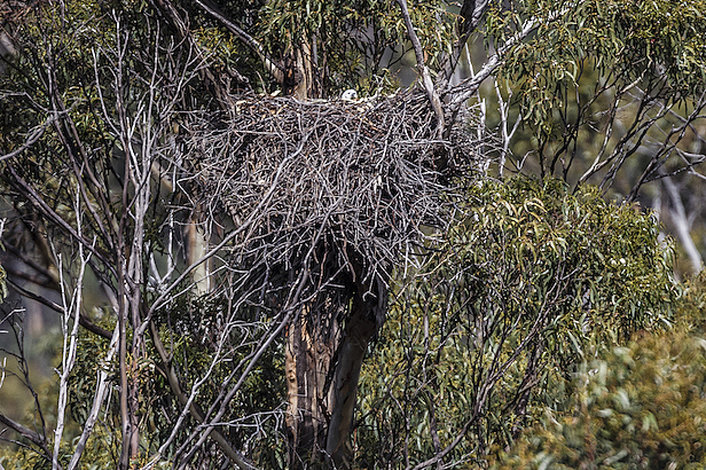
pixel 27 433
pixel 182 29
pixel 471 13
pixel 41 206
pixel 83 321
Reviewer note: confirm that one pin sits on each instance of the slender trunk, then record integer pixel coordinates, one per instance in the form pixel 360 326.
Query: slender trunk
pixel 138 355
pixel 131 282
pixel 124 385
pixel 123 307
pixel 196 251
pixel 129 363
pixel 360 329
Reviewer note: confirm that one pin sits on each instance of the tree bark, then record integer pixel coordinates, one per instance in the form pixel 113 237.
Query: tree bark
pixel 360 329
pixel 196 250
pixel 322 370
pixel 307 360
pixel 304 87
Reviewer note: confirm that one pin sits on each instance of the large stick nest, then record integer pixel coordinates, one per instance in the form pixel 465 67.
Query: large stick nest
pixel 347 187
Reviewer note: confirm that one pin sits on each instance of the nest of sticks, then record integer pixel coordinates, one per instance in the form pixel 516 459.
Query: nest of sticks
pixel 346 190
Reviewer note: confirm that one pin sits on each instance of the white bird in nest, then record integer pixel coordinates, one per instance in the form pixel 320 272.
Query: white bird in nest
pixel 349 95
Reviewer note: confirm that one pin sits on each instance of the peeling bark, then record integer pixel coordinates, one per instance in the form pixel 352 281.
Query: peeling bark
pixel 323 370
pixel 307 361
pixel 304 87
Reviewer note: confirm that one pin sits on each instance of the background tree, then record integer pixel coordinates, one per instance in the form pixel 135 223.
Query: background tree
pixel 610 93
pixel 640 405
pixel 540 280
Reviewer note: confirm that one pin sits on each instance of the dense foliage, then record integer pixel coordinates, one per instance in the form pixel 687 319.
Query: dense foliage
pixel 624 41
pixel 534 281
pixel 639 406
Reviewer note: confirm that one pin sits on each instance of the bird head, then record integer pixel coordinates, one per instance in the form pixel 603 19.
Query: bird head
pixel 349 95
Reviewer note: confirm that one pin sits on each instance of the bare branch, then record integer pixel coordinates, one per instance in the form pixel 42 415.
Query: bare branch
pixel 34 135
pixel 470 15
pixel 272 66
pixel 28 434
pixel 423 70
pixel 464 90
pixel 193 408
pixel 71 307
pixel 681 223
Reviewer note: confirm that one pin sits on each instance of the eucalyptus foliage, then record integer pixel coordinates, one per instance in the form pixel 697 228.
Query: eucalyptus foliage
pixel 533 281
pixel 622 40
pixel 639 406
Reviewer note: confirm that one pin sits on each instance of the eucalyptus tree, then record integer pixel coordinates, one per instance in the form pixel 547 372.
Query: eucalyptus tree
pixel 610 94
pixel 243 225
pixel 221 224
pixel 636 406
pixel 535 282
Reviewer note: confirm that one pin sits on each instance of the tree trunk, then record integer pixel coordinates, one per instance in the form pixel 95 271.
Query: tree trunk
pixel 323 369
pixel 304 87
pixel 307 360
pixel 360 329
pixel 197 247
